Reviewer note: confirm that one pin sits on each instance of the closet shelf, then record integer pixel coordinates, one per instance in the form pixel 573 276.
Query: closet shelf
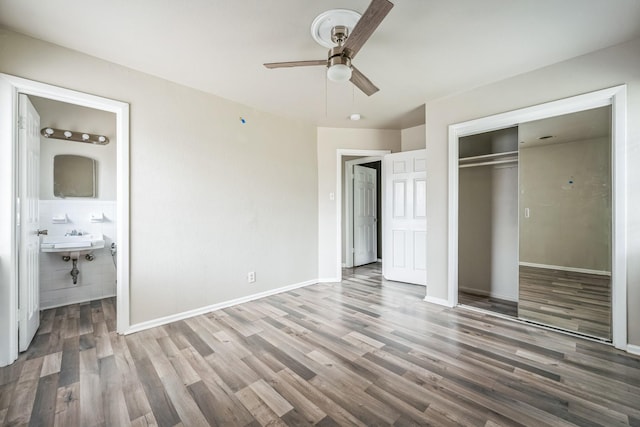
pixel 486 157
pixel 489 159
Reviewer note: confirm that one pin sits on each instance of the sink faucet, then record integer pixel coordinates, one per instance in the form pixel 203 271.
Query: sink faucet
pixel 73 233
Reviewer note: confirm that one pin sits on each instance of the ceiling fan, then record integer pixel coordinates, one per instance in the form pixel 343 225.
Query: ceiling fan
pixel 347 46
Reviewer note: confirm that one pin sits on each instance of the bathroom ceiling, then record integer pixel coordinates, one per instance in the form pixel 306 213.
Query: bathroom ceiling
pixel 423 50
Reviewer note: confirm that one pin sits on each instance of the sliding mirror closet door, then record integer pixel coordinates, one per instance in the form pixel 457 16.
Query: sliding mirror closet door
pixel 565 222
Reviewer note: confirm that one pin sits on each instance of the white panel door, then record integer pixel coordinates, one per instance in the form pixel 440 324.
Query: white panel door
pixel 28 222
pixel 404 254
pixel 365 240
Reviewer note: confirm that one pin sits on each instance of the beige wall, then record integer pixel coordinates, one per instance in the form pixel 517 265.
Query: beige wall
pixel 211 199
pixel 413 138
pixel 488 230
pixel 567 189
pixel 329 141
pixel 410 139
pixel 609 67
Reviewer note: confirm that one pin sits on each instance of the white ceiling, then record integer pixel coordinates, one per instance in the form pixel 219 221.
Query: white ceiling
pixel 423 50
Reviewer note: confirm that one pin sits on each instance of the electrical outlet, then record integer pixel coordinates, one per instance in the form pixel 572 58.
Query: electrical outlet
pixel 251 276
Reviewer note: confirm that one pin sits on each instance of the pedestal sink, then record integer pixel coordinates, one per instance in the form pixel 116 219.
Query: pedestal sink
pixel 71 247
pixel 83 244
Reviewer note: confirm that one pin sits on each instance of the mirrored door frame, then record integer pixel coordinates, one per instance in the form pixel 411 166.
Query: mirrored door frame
pixel 616 97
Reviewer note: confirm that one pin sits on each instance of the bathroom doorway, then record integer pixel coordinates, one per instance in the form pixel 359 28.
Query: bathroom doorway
pixel 76 201
pixel 105 214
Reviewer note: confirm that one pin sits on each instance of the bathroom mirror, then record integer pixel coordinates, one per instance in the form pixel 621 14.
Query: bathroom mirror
pixel 74 176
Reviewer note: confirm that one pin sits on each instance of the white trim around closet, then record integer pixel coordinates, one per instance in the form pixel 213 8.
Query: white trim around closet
pixel 617 98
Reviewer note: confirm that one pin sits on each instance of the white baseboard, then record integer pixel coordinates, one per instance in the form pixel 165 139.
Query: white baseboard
pixel 486 293
pixel 439 301
pixel 562 268
pixel 202 310
pixel 329 280
pixel 633 349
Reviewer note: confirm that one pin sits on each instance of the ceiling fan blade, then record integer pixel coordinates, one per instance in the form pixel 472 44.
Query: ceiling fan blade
pixel 362 82
pixel 295 63
pixel 372 17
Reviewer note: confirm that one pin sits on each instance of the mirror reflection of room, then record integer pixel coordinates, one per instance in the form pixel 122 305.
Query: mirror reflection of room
pixel 565 222
pixel 535 222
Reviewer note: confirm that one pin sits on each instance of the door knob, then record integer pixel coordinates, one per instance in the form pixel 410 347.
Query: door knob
pixel 42 232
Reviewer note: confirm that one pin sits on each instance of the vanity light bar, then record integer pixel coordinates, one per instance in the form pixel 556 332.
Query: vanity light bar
pixel 74 136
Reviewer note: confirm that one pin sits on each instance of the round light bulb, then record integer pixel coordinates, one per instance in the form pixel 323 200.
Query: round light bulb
pixel 48 131
pixel 355 116
pixel 85 136
pixel 102 139
pixel 339 73
pixel 67 134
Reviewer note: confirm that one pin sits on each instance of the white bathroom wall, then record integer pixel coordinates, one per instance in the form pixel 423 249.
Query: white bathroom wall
pixel 97 278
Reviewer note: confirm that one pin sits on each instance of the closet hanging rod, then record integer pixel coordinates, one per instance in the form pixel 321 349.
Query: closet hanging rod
pixel 496 162
pixel 489 156
pixel 68 135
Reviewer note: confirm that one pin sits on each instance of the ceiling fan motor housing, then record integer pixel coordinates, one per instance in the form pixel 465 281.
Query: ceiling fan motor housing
pixel 337 56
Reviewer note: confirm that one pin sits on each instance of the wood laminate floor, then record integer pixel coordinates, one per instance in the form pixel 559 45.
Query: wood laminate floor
pixel 578 302
pixel 362 352
pixel 485 302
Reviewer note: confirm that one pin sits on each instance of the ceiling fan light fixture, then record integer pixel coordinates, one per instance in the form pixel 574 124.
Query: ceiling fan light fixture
pixel 339 73
pixel 347 38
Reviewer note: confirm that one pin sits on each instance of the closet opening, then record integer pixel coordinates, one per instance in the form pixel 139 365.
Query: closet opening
pixel 535 229
pixel 488 221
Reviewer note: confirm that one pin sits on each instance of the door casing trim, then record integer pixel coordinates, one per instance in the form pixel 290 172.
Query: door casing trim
pixel 338 198
pixel 11 87
pixel 348 193
pixel 616 97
